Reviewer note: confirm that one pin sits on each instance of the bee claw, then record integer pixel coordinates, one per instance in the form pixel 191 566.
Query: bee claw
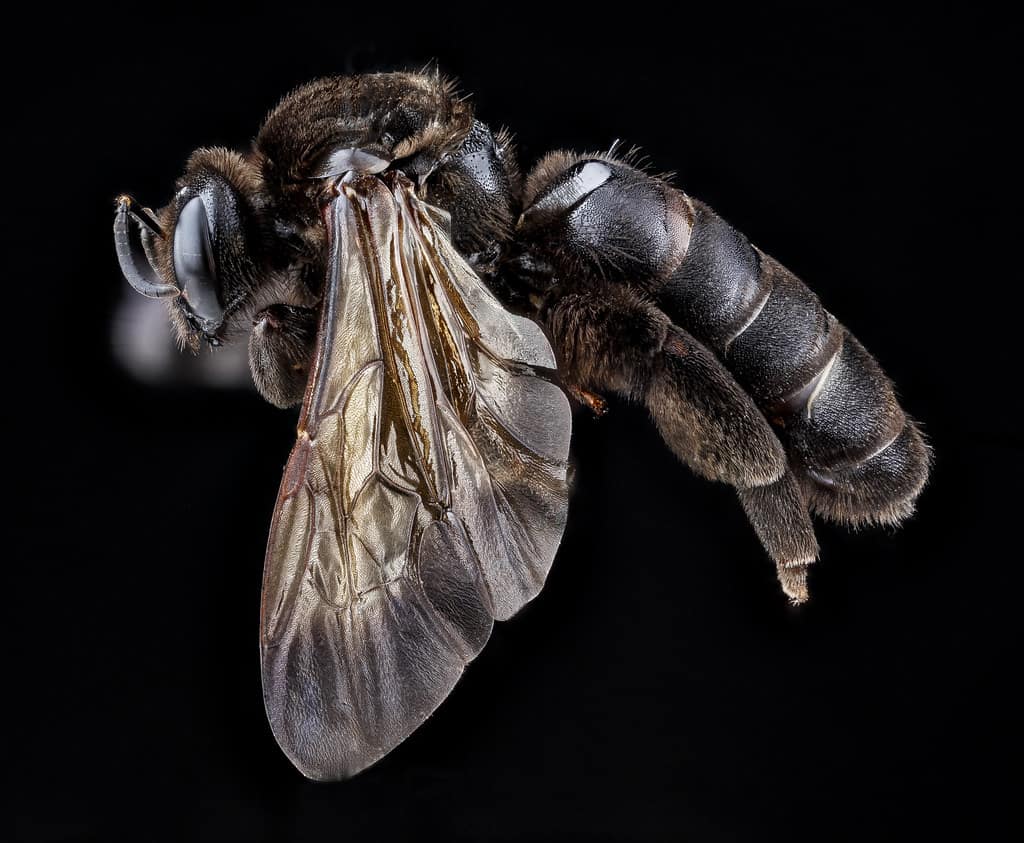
pixel 597 405
pixel 793 579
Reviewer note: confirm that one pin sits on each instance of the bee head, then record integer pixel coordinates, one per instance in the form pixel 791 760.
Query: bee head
pixel 207 251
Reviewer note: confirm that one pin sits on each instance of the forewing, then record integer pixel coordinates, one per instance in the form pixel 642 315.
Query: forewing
pixel 425 496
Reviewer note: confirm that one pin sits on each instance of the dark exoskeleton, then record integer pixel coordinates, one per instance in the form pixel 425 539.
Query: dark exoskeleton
pixel 649 293
pixel 362 246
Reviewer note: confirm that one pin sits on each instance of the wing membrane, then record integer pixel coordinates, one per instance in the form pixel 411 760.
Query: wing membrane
pixel 425 496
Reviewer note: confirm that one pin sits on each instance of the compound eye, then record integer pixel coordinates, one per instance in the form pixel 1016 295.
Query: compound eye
pixel 194 263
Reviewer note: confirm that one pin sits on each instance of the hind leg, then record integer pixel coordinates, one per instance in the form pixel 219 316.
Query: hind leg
pixel 610 338
pixel 779 516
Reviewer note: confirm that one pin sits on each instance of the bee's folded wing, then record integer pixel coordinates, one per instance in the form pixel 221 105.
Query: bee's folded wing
pixel 426 494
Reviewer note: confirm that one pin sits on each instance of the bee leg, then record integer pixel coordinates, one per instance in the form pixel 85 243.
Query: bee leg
pixel 609 337
pixel 779 516
pixel 707 418
pixel 281 348
pixel 689 396
pixel 591 400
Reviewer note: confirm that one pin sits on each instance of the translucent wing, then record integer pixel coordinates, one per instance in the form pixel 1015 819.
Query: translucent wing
pixel 425 496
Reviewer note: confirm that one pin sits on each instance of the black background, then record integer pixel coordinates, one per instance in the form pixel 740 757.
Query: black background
pixel 659 687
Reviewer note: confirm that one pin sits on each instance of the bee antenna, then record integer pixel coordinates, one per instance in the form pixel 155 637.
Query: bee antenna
pixel 133 252
pixel 142 215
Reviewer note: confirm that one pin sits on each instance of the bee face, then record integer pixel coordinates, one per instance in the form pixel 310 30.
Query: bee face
pixel 229 249
pixel 210 251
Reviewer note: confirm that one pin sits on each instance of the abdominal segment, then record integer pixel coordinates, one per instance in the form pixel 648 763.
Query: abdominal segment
pixel 860 458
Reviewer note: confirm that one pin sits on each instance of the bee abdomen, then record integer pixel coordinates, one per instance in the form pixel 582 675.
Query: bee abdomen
pixel 865 459
pixel 831 403
pixel 849 414
pixel 781 348
pixel 759 318
pixel 718 285
pixel 878 489
pixel 591 220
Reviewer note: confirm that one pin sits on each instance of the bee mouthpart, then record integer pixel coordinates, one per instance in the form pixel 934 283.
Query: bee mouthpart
pixel 209 331
pixel 135 251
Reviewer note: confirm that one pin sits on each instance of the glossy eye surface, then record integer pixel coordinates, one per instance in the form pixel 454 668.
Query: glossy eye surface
pixel 194 264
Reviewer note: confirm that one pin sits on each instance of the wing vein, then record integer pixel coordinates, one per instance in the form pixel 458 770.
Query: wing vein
pixel 440 457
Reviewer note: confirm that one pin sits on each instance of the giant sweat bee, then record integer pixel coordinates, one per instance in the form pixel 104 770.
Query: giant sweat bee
pixel 431 309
